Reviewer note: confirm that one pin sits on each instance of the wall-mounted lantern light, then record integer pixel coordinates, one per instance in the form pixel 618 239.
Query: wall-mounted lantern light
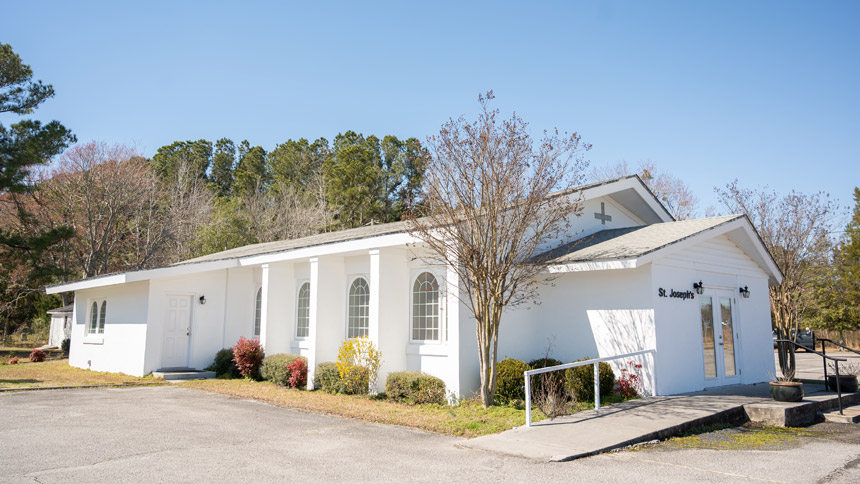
pixel 202 299
pixel 745 292
pixel 699 287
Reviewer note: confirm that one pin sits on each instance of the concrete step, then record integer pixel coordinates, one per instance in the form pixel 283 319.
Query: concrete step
pixel 179 375
pixel 798 414
pixel 849 415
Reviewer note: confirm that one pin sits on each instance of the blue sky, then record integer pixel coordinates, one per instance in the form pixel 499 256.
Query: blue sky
pixel 766 92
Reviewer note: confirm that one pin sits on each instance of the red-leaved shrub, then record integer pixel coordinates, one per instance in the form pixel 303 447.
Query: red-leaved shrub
pixel 630 384
pixel 13 360
pixel 248 354
pixel 298 373
pixel 37 356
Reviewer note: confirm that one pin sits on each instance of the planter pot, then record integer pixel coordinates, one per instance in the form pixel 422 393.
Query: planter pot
pixel 786 391
pixel 847 383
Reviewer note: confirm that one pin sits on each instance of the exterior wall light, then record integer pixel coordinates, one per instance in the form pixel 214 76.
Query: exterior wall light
pixel 745 292
pixel 699 287
pixel 202 299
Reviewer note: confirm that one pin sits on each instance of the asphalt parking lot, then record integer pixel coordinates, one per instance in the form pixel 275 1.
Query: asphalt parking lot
pixel 178 435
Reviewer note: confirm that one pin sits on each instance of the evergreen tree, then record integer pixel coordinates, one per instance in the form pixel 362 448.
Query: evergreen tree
pixel 223 166
pixel 297 163
pixel 251 171
pixel 23 146
pixel 183 157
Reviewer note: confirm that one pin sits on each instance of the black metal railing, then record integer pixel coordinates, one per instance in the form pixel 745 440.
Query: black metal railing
pixel 824 357
pixel 824 351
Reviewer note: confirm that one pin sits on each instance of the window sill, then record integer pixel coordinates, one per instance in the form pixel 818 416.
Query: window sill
pixel 303 344
pixel 94 340
pixel 427 349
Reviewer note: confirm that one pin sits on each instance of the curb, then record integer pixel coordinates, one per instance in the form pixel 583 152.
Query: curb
pixel 80 387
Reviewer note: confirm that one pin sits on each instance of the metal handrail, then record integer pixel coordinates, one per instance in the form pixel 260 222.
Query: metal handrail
pixel 824 351
pixel 824 357
pixel 594 361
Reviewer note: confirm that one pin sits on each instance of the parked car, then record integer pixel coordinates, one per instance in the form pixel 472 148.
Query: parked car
pixel 805 337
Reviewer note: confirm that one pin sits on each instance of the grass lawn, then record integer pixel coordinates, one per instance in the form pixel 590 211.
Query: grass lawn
pixel 469 419
pixel 58 373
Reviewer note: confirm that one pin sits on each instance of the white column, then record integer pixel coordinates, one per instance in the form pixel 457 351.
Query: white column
pixel 264 306
pixel 312 320
pixel 375 280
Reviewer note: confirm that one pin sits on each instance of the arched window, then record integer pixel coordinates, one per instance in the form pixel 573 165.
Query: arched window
pixel 94 317
pixel 102 315
pixel 359 308
pixel 258 312
pixel 425 308
pixel 303 311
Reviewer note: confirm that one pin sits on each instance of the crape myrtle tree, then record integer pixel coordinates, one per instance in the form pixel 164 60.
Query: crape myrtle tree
pixel 795 228
pixel 488 211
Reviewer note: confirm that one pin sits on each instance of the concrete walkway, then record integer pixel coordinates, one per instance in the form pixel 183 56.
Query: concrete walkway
pixel 592 432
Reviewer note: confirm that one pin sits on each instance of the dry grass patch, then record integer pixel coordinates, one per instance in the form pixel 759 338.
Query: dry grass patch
pixel 58 373
pixel 469 419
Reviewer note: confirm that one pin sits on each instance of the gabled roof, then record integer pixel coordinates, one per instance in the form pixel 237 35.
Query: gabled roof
pixel 630 191
pixel 635 246
pixel 630 183
pixel 631 242
pixel 63 310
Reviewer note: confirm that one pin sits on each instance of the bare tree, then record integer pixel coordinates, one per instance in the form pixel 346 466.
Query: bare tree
pixel 112 199
pixel 489 211
pixel 795 229
pixel 673 192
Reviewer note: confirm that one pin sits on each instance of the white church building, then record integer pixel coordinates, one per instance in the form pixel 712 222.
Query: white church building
pixel 695 291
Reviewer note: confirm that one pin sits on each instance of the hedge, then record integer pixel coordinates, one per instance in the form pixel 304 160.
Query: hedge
pixel 415 387
pixel 274 368
pixel 327 378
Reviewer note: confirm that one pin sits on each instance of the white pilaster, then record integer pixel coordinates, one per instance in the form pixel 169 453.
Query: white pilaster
pixel 313 316
pixel 264 306
pixel 375 280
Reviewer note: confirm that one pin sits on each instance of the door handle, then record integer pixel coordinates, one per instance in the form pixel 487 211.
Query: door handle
pixel 188 332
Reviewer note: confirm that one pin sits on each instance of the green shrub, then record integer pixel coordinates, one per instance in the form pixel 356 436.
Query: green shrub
pixel 327 378
pixel 415 387
pixel 580 381
pixel 274 368
pixel 510 384
pixel 66 346
pixel 554 377
pixel 224 366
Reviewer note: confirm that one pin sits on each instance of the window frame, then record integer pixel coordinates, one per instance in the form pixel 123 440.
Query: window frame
pixel 99 316
pixel 301 285
pixel 257 313
pixel 350 281
pixel 442 315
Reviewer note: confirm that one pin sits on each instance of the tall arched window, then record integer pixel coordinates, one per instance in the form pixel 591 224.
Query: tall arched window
pixel 359 308
pixel 425 308
pixel 258 312
pixel 303 311
pixel 97 318
pixel 102 315
pixel 94 317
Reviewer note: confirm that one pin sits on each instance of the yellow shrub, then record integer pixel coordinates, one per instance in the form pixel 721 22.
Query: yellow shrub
pixel 358 363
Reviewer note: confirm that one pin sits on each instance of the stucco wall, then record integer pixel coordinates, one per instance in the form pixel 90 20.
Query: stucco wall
pixel 121 347
pixel 723 267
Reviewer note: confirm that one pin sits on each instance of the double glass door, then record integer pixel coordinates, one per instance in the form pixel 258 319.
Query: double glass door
pixel 719 338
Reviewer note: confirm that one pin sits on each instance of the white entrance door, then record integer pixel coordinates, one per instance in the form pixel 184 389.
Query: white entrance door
pixel 719 338
pixel 177 332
